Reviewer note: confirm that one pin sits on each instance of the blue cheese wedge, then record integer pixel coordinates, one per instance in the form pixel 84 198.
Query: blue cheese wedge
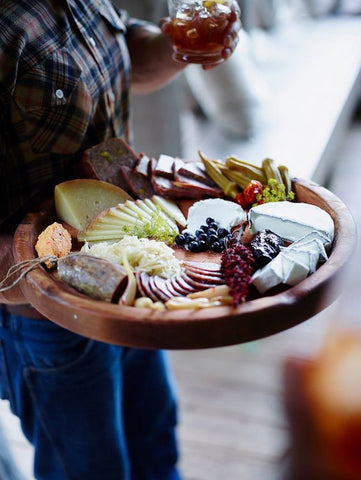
pixel 291 220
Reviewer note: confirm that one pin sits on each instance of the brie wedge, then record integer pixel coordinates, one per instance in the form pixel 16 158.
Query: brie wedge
pixel 282 269
pixel 291 220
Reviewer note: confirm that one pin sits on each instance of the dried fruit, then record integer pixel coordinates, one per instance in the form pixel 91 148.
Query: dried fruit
pixel 265 246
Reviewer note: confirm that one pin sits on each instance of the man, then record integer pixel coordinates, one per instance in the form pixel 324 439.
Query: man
pixel 91 410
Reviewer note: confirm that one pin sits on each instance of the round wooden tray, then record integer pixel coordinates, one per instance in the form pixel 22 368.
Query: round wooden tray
pixel 212 327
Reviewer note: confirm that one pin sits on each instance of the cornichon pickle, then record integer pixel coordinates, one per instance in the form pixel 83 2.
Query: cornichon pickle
pixel 271 171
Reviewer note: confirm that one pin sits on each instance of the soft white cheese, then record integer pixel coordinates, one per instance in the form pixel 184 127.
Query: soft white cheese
pixel 308 255
pixel 291 220
pixel 269 276
pixel 294 271
pixel 313 240
pixel 227 214
pixel 293 264
pixel 282 269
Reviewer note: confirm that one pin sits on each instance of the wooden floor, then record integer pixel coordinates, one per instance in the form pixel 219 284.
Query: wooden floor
pixel 231 418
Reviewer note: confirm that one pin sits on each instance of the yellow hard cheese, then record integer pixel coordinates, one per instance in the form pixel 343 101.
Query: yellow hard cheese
pixel 77 202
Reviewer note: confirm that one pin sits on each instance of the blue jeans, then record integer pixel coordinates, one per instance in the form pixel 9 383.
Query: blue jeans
pixel 93 411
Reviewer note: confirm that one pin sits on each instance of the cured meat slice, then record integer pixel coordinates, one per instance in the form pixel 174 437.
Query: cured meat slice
pixel 177 287
pixel 189 184
pixel 143 166
pixel 183 284
pixel 197 285
pixel 192 171
pixel 142 291
pixel 143 282
pixel 164 166
pixel 180 190
pixel 159 287
pixel 206 278
pixel 208 267
pixel 171 288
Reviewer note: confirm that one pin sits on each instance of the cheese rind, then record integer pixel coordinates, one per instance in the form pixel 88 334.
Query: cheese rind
pixel 291 220
pixel 79 201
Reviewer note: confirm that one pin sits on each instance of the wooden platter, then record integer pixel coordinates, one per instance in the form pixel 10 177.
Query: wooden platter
pixel 212 327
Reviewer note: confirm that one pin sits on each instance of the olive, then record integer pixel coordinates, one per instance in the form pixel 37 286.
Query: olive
pixel 180 240
pixel 190 238
pixel 211 231
pixel 222 232
pixel 216 247
pixel 194 246
pixel 214 226
pixel 202 237
pixel 202 246
pixel 212 239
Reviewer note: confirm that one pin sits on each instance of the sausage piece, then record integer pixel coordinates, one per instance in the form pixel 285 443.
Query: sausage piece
pixel 96 277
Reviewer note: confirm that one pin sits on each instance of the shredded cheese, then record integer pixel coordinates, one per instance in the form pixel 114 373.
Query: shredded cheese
pixel 150 256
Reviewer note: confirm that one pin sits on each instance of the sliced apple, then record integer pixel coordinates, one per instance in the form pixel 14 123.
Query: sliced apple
pixel 159 211
pixel 138 211
pixel 170 208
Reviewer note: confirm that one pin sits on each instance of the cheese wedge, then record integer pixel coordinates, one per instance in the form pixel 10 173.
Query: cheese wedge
pixel 282 269
pixel 291 220
pixel 293 264
pixel 78 202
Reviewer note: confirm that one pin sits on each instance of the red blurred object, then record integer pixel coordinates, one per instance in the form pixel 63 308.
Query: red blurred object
pixel 333 390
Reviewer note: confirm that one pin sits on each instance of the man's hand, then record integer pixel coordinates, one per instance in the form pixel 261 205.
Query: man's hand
pixel 14 295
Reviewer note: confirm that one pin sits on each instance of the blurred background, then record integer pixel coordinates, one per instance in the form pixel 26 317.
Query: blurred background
pixel 291 92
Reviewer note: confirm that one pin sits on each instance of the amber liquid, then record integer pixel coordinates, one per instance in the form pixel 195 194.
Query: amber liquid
pixel 198 32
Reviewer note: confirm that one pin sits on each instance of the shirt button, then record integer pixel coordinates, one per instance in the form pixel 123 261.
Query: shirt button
pixel 59 94
pixel 92 41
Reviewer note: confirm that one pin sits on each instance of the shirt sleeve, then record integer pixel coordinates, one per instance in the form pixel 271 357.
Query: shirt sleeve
pixel 130 22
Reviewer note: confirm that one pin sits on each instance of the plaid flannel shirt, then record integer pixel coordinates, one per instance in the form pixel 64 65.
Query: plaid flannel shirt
pixel 64 86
